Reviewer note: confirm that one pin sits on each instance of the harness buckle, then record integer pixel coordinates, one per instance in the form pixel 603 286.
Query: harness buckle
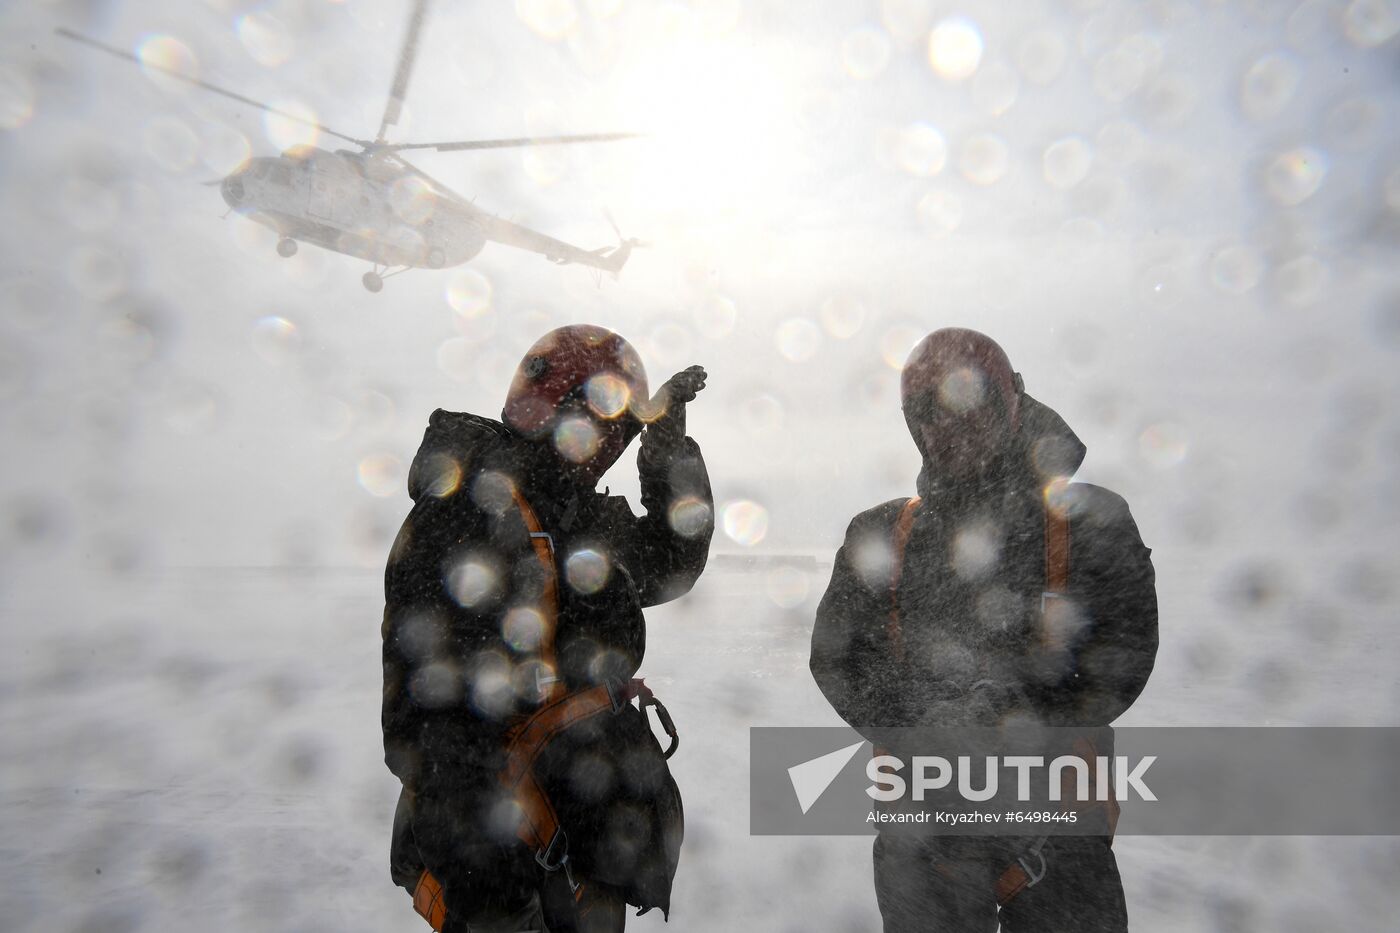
pixel 555 855
pixel 618 695
pixel 1033 876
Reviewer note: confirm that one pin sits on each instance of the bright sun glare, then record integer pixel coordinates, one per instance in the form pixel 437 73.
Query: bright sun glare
pixel 718 117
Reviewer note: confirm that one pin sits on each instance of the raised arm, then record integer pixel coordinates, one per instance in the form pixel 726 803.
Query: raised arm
pixel 666 549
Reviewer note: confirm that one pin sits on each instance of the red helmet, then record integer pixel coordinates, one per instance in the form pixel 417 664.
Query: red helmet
pixel 931 374
pixel 579 361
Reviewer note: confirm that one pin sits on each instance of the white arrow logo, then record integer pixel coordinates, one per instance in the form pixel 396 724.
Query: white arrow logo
pixel 811 778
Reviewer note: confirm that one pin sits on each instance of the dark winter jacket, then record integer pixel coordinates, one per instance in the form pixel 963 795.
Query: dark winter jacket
pixel 460 632
pixel 977 647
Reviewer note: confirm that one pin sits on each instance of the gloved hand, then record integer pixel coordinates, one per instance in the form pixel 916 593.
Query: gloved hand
pixel 667 431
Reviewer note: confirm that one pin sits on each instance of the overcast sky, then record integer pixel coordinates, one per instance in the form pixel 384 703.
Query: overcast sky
pixel 1179 218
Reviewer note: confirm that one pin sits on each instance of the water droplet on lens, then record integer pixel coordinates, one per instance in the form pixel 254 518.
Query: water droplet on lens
pixel 976 550
pixel 1066 162
pixel 1294 176
pixel 1041 56
pixel 1236 269
pixel 469 293
pixel 523 629
pixel 995 88
pixel 171 143
pixel 1269 85
pixel 413 201
pixel 842 316
pixel 1117 74
pixel 715 317
pixel 865 52
pixel 587 570
pixel 266 38
pixel 1370 23
pixel 745 522
pixel 955 48
pixel 1121 142
pixel 670 343
pixel 97 273
pixel 1169 100
pixel 1253 587
pixel 761 415
pixel 276 339
pixel 1163 444
pixel 286 133
pixel 493 492
pixel 787 587
pixel 380 475
pixel 897 343
pixel 984 159
pixel 689 517
pixel 940 211
pixel 1301 281
pixel 921 150
pixel 190 408
pixel 798 340
pixel 576 439
pixel 473 582
pixel 607 394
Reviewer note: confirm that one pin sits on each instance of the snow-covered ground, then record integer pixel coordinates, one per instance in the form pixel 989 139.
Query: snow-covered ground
pixel 202 749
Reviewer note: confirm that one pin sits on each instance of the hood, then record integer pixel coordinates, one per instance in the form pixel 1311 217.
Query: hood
pixel 1044 447
pixel 1050 447
pixel 452 441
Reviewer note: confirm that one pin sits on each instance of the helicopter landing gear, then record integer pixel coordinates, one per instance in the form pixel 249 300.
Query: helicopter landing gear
pixel 374 279
pixel 286 247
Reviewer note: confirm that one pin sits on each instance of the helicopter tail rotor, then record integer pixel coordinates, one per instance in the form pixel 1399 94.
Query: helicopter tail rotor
pixel 614 259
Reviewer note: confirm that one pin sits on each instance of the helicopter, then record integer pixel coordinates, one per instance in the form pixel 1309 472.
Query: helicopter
pixel 373 204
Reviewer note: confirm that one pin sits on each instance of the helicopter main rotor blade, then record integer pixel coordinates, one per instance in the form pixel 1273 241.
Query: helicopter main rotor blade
pixel 514 143
pixel 404 71
pixel 122 53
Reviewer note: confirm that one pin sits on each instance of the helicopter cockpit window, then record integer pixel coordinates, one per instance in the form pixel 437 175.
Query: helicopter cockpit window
pixel 279 173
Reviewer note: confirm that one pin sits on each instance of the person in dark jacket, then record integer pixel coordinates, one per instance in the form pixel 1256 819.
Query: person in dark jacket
pixel 514 583
pixel 957 625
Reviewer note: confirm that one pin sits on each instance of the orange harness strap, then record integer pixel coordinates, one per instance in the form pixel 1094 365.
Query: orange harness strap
pixel 427 900
pixel 539 823
pixel 1056 550
pixel 543 546
pixel 903 525
pixel 427 894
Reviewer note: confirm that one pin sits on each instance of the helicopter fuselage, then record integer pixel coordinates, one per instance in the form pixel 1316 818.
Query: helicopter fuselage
pixel 357 204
